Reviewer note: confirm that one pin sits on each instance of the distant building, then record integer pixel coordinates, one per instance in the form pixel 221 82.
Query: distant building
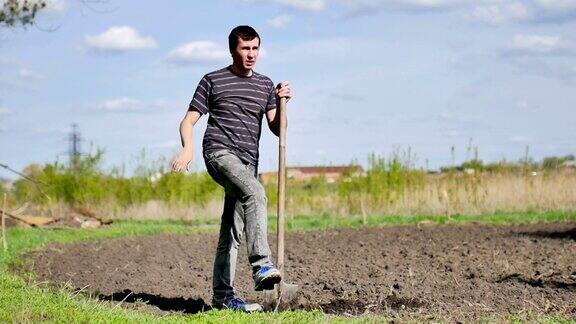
pixel 330 173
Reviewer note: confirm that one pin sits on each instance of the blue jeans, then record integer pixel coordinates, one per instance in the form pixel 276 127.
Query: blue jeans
pixel 244 212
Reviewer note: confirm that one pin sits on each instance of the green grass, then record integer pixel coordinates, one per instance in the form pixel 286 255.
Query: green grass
pixel 22 300
pixel 327 221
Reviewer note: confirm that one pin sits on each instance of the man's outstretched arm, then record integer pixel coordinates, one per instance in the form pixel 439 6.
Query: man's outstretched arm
pixel 182 161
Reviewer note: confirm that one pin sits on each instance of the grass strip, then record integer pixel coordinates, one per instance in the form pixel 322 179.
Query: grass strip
pixel 327 221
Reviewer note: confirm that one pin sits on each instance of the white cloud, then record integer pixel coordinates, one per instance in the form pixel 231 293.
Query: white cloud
pixel 452 133
pixel 493 12
pixel 126 104
pixel 555 10
pixel 522 104
pixel 501 13
pixel 548 56
pixel 280 21
pixel 535 65
pixel 52 131
pixel 425 4
pixel 28 74
pixel 497 12
pixel 557 5
pixel 198 51
pixel 539 44
pixel 7 60
pixel 120 39
pixel 121 104
pixel 406 5
pixel 520 139
pixel 57 7
pixel 308 5
pixel 305 5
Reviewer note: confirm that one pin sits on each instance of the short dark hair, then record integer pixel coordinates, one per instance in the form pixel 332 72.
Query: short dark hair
pixel 247 33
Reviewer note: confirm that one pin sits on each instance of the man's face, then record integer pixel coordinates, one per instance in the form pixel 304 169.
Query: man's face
pixel 246 53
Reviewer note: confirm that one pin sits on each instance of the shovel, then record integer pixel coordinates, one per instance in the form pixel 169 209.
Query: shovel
pixel 284 294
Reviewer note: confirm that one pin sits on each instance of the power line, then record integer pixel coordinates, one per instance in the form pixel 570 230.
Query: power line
pixel 74 140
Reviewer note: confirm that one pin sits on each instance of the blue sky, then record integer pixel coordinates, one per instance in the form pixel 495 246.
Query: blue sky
pixel 369 76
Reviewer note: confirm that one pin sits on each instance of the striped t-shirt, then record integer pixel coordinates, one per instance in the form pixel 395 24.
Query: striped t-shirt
pixel 236 105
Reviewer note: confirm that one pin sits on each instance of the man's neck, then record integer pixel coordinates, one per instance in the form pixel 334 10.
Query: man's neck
pixel 241 71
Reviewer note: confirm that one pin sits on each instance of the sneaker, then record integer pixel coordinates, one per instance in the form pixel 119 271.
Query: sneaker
pixel 239 304
pixel 266 277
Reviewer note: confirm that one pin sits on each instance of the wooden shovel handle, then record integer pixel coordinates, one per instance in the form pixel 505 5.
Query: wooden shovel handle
pixel 281 184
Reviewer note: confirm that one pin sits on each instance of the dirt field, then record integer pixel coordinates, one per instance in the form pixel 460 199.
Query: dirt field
pixel 426 271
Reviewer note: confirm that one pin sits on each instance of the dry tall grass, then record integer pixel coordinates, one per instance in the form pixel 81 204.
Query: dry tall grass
pixel 441 194
pixel 486 193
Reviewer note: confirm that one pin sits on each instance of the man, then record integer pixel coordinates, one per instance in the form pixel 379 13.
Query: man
pixel 236 98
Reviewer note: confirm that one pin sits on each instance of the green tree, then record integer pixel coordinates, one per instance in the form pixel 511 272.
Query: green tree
pixel 19 13
pixel 555 162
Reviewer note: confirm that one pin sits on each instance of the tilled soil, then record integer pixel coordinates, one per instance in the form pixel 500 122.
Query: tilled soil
pixel 464 272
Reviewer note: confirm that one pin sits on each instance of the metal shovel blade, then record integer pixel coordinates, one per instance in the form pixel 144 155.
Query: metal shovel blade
pixel 284 296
